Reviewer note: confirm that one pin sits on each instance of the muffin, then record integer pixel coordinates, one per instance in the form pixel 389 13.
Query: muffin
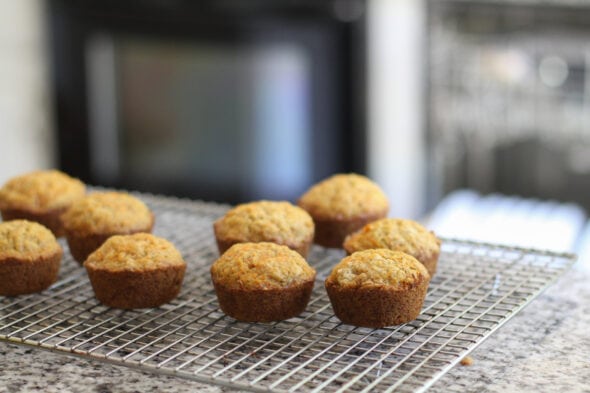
pixel 398 235
pixel 377 288
pixel 92 220
pixel 341 205
pixel 265 221
pixel 29 257
pixel 135 271
pixel 262 282
pixel 40 196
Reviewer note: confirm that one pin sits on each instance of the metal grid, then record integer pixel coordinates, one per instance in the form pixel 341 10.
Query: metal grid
pixel 477 289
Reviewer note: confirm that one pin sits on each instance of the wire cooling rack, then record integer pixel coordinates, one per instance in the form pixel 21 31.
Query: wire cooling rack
pixel 477 289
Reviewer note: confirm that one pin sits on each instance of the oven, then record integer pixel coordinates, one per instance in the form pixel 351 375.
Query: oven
pixel 220 100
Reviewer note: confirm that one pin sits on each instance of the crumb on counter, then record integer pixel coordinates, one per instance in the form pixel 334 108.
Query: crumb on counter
pixel 467 361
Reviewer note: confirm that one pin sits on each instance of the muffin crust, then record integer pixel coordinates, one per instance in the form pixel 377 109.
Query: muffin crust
pixel 377 268
pixel 93 219
pixel 377 288
pixel 278 222
pixel 398 235
pixel 260 266
pixel 41 191
pixel 138 252
pixel 135 271
pixel 26 241
pixel 105 212
pixel 344 196
pixel 341 205
pixel 30 257
pixel 262 282
pixel 40 196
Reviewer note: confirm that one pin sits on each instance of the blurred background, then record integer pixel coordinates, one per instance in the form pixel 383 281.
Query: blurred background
pixel 471 109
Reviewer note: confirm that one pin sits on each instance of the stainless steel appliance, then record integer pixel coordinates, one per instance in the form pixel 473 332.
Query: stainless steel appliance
pixel 220 100
pixel 509 98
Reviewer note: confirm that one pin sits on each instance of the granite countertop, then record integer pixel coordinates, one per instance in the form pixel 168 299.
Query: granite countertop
pixel 546 347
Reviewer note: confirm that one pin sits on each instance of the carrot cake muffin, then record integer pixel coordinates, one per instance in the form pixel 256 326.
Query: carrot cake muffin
pixel 262 282
pixel 377 288
pixel 40 196
pixel 135 271
pixel 29 257
pixel 265 221
pixel 92 220
pixel 341 205
pixel 399 235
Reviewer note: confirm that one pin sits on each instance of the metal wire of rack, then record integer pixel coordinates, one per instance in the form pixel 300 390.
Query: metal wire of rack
pixel 478 287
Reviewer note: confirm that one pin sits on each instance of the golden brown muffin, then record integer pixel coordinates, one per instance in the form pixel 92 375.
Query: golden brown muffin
pixel 265 221
pixel 341 205
pixel 262 282
pixel 398 235
pixel 377 288
pixel 135 271
pixel 29 257
pixel 90 221
pixel 40 196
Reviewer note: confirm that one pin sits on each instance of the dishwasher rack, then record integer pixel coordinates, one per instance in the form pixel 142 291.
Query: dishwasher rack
pixel 478 287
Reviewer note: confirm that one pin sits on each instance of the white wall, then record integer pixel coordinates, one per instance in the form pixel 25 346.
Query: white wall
pixel 25 126
pixel 395 66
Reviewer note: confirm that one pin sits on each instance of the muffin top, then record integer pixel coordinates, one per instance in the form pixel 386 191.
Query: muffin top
pixel 261 266
pixel 134 253
pixel 41 191
pixel 378 268
pixel 394 234
pixel 26 241
pixel 279 222
pixel 105 212
pixel 344 196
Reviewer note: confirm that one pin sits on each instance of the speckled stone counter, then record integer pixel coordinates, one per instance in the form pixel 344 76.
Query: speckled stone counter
pixel 546 347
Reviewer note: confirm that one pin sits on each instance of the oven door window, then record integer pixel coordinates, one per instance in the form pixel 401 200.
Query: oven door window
pixel 227 119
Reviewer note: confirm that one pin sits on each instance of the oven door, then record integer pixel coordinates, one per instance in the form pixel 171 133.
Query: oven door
pixel 216 101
